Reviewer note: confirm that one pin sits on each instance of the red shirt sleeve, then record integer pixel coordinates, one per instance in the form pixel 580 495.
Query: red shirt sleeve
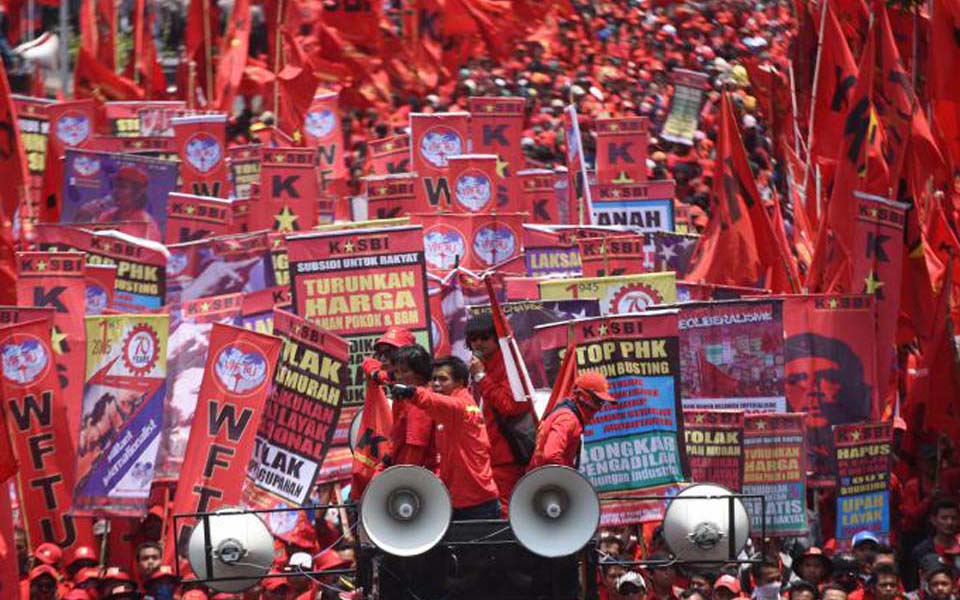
pixel 561 437
pixel 495 389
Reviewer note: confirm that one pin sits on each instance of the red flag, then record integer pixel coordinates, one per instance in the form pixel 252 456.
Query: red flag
pixel 391 196
pixel 390 154
pixel 201 146
pixel 97 30
pixel 473 180
pixel 240 366
pixel 942 408
pixel 15 191
pixel 434 139
pixel 233 56
pixel 567 374
pixel 740 245
pixel 144 66
pixel 622 150
pixel 323 130
pixel 496 126
pixel 894 99
pixel 516 369
pixel 835 83
pixel 357 22
pixel 944 50
pixel 298 84
pixel 191 217
pixel 288 191
pixel 373 441
pixel 203 27
pixel 91 79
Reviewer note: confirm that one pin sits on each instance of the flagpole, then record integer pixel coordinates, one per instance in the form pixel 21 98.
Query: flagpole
pixel 62 48
pixel 813 96
pixel 276 64
pixel 207 49
pixel 796 115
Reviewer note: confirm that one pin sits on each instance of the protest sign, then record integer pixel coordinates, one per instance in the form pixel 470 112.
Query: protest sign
pixel 863 480
pixel 358 283
pixel 237 377
pixel 435 138
pixel 622 149
pixel 390 155
pixel 390 196
pixel 142 119
pixel 219 265
pixel 71 126
pixel 473 179
pixel 683 120
pixel 617 295
pixel 615 255
pixel 126 371
pixel 713 443
pixel 201 146
pixel 644 206
pixel 477 242
pixel 300 415
pixel 192 217
pixel 632 444
pixel 257 308
pixel 100 282
pixel 34 125
pixel 244 162
pixel 496 127
pixel 731 355
pixel 288 190
pixel 323 130
pixel 774 467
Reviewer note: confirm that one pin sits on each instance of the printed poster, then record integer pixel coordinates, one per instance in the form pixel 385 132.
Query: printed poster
pixel 775 467
pixel 713 442
pixel 863 480
pixel 617 295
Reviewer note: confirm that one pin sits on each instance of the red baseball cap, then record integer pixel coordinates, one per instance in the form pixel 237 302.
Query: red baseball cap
pixel 41 570
pixel 729 582
pixel 82 553
pixel 86 574
pixel 48 554
pixel 397 337
pixel 116 574
pixel 595 383
pixel 165 571
pixel 133 174
pixel 194 595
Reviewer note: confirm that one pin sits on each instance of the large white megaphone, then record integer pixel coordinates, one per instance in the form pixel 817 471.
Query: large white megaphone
pixel 554 511
pixel 698 525
pixel 42 51
pixel 354 436
pixel 240 546
pixel 405 510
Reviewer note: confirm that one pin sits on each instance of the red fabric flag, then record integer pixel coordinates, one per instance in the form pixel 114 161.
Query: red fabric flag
pixel 945 50
pixel 298 85
pixel 835 83
pixel 435 138
pixel 390 154
pixel 563 384
pixel 391 196
pixel 71 126
pixel 942 402
pixel 240 366
pixel 34 410
pixel 622 150
pixel 323 130
pixel 200 38
pixel 191 217
pixel 357 22
pixel 473 178
pixel 496 126
pixel 97 27
pixel 895 101
pixel 91 79
pixel 8 459
pixel 201 146
pixel 515 367
pixel 144 67
pixel 16 190
pixel 373 442
pixel 740 245
pixel 288 191
pixel 233 56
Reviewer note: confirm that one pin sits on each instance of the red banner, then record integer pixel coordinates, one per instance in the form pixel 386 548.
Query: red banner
pixel 473 177
pixel 71 126
pixel 545 197
pixel 192 217
pixel 390 155
pixel 101 281
pixel 57 280
pixel 829 368
pixel 391 196
pixel 143 119
pixel 496 126
pixel 288 190
pixel 201 146
pixel 477 242
pixel 878 267
pixel 714 446
pixel 236 380
pixel 616 255
pixel 37 423
pixel 244 164
pixel 34 124
pixel 435 138
pixel 622 149
pixel 323 131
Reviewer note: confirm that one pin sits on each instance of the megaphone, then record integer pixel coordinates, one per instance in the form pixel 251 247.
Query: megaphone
pixel 240 546
pixel 42 51
pixel 554 511
pixel 405 510
pixel 699 524
pixel 354 436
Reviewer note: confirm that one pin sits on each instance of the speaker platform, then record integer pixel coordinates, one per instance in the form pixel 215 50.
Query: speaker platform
pixel 476 560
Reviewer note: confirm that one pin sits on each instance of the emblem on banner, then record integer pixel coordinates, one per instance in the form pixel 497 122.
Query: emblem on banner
pixel 320 124
pixel 155 122
pixel 176 264
pixel 634 297
pixel 442 245
pixel 438 144
pixel 494 243
pixel 73 128
pixel 141 350
pixel 203 152
pixel 97 299
pixel 86 166
pixel 240 369
pixel 473 190
pixel 282 522
pixel 25 360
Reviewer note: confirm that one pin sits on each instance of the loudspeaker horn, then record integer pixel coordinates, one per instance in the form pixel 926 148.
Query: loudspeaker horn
pixel 405 510
pixel 354 436
pixel 697 525
pixel 240 546
pixel 554 511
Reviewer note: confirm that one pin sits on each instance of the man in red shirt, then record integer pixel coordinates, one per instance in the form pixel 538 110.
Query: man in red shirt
pixel 412 436
pixel 462 439
pixel 496 398
pixel 558 437
pixel 379 367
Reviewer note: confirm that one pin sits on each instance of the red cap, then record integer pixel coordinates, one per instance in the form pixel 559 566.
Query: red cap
pixel 78 594
pixel 162 572
pixel 194 595
pixel 87 574
pixel 595 383
pixel 82 553
pixel 133 174
pixel 727 581
pixel 116 574
pixel 40 571
pixel 397 337
pixel 272 583
pixel 48 554
pixel 329 560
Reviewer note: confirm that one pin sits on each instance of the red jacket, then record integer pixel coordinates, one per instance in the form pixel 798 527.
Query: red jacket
pixel 558 437
pixel 463 444
pixel 497 399
pixel 412 436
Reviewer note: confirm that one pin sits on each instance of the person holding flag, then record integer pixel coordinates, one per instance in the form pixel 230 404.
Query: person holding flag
pixel 558 437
